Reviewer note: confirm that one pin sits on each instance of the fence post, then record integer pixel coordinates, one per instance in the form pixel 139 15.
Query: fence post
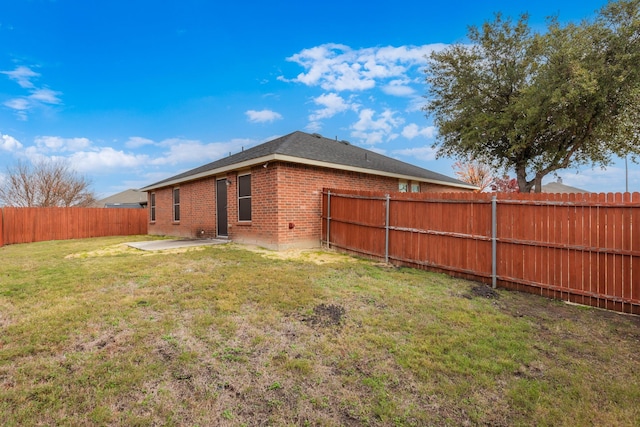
pixel 328 217
pixel 494 240
pixel 386 232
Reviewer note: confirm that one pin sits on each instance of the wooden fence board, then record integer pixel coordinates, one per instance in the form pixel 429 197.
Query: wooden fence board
pixel 580 248
pixel 626 246
pixel 601 288
pixel 26 225
pixel 634 245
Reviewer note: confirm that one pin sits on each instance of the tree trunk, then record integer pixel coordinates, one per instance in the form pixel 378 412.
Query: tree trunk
pixel 537 182
pixel 521 175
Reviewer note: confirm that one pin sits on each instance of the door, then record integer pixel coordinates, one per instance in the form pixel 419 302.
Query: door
pixel 221 207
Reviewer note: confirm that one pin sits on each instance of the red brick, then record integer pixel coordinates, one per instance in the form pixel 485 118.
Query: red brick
pixel 282 193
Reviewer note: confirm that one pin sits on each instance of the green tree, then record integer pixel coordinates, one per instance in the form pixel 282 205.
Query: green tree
pixel 537 103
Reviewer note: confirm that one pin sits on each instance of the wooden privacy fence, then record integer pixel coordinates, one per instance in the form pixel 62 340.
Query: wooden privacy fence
pixel 583 248
pixel 25 225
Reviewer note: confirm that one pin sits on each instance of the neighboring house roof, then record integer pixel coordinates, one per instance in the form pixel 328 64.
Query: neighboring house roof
pixel 559 187
pixel 126 199
pixel 314 149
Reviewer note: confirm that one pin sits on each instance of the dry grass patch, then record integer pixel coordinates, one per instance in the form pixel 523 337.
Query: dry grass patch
pixel 125 249
pixel 316 256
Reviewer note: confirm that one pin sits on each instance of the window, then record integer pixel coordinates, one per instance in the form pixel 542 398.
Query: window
pixel 152 206
pixel 176 204
pixel 244 198
pixel 415 187
pixel 403 187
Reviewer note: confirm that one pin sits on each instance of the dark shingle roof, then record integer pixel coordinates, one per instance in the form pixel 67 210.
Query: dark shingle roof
pixel 559 187
pixel 128 197
pixel 316 148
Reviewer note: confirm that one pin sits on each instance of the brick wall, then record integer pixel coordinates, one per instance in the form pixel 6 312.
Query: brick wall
pixel 300 199
pixel 197 210
pixel 261 230
pixel 286 204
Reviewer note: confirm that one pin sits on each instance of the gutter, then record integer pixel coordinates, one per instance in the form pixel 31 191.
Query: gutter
pixel 299 160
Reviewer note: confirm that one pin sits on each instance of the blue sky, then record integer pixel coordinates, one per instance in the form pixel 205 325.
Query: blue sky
pixel 131 92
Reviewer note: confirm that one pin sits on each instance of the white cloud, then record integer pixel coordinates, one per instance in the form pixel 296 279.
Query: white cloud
pixel 138 141
pixel 398 87
pixel 610 179
pixel 22 75
pixel 318 60
pixel 20 107
pixel 338 67
pixel 151 177
pixel 47 96
pixel 18 104
pixel 105 159
pixel 32 153
pixel 413 130
pixel 262 116
pixel 425 153
pixel 38 96
pixel 378 150
pixel 9 143
pixel 83 155
pixel 192 151
pixel 416 104
pixel 414 55
pixel 372 129
pixel 59 144
pixel 182 151
pixel 333 104
pixel 313 127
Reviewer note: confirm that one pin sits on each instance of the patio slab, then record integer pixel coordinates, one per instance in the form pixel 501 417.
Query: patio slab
pixel 160 245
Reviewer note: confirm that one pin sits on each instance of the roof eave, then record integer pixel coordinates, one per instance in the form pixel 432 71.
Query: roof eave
pixel 212 172
pixel 300 160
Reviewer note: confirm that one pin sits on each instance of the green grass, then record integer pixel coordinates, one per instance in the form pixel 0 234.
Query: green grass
pixel 94 333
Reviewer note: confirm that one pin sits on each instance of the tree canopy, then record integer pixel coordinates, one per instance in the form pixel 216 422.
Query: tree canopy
pixel 45 183
pixel 537 103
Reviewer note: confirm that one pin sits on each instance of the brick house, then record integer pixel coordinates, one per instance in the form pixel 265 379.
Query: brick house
pixel 270 195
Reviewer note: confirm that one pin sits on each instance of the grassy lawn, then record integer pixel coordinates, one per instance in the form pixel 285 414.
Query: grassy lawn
pixel 95 333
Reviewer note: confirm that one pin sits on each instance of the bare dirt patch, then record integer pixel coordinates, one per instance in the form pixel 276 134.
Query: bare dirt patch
pixel 107 340
pixel 482 291
pixel 326 315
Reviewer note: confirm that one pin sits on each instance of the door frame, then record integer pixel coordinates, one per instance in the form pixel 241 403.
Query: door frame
pixel 222 209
